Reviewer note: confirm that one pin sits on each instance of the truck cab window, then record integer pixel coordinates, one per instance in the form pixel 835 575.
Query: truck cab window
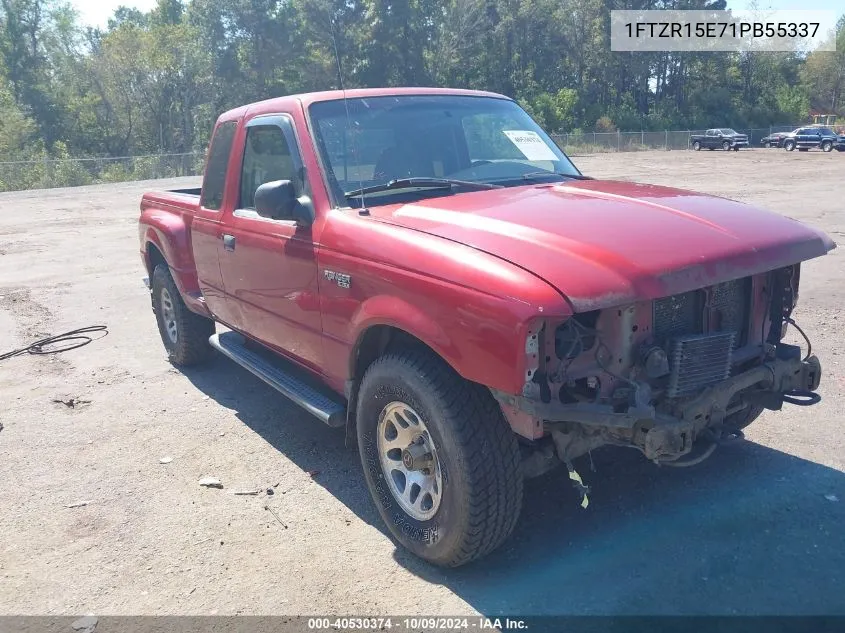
pixel 267 157
pixel 216 164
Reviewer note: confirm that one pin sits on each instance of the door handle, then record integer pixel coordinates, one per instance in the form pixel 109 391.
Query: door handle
pixel 229 242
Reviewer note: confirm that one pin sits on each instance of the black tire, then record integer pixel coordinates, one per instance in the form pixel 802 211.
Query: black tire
pixel 789 145
pixel 190 346
pixel 827 146
pixel 696 146
pixel 726 145
pixel 743 418
pixel 478 457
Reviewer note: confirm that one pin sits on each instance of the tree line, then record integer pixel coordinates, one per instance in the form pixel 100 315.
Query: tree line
pixel 153 82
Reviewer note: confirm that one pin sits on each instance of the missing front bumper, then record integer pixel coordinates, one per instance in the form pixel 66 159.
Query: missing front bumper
pixel 669 432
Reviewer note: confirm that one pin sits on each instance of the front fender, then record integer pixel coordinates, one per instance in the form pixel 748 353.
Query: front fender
pixel 392 311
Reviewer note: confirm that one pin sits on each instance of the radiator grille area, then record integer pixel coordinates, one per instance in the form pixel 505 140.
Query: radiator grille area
pixel 729 308
pixel 698 361
pixel 720 308
pixel 677 315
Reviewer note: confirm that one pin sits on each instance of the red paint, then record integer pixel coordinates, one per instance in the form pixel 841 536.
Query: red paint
pixel 467 274
pixel 605 243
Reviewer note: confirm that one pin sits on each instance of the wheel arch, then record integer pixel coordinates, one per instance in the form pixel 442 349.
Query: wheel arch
pixel 174 250
pixel 376 339
pixel 154 257
pixel 379 329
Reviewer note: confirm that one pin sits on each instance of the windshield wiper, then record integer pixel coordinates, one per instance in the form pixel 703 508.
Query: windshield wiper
pixel 535 174
pixel 428 183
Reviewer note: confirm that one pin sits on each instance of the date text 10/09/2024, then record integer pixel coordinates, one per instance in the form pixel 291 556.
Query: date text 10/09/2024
pixel 714 30
pixel 479 623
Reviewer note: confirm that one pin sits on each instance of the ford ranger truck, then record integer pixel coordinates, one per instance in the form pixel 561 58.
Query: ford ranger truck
pixel 426 268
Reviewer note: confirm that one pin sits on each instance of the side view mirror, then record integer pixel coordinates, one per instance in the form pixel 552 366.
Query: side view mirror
pixel 277 200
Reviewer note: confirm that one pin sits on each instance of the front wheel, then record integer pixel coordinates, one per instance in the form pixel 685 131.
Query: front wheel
pixel 726 145
pixel 184 333
pixel 827 146
pixel 789 145
pixel 440 461
pixel 742 418
pixel 696 146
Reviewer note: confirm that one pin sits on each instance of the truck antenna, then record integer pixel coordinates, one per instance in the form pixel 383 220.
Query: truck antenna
pixel 363 210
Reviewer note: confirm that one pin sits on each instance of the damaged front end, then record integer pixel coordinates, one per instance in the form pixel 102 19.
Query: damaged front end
pixel 660 375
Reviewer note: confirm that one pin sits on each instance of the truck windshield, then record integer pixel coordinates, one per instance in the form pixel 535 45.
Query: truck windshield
pixel 392 139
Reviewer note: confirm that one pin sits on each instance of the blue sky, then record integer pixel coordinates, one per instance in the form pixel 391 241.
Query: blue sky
pixel 97 12
pixel 793 5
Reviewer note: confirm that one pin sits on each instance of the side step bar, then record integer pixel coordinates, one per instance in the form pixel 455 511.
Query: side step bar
pixel 281 375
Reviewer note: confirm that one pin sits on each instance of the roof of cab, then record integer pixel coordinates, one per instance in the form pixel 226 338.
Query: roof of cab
pixel 270 106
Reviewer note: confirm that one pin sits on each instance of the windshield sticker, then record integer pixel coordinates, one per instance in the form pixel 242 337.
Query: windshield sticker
pixel 530 144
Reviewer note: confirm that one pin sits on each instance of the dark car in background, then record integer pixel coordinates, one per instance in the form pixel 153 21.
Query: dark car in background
pixel 719 138
pixel 775 139
pixel 807 138
pixel 839 145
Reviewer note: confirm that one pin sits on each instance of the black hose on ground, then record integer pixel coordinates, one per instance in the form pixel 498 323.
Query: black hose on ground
pixel 802 397
pixel 60 342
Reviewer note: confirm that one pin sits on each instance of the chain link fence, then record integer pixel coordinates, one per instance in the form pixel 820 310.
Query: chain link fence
pixel 593 142
pixel 71 172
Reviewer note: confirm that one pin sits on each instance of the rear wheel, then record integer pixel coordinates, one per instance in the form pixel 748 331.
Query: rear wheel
pixel 440 461
pixel 696 146
pixel 726 145
pixel 827 146
pixel 184 333
pixel 789 145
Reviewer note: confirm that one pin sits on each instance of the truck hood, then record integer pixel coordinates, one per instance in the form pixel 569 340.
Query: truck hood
pixel 607 243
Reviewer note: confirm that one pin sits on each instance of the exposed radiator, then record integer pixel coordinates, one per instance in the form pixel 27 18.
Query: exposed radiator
pixel 677 315
pixel 720 308
pixel 729 308
pixel 698 361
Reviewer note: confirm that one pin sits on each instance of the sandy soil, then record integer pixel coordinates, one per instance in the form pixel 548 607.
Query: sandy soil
pixel 756 529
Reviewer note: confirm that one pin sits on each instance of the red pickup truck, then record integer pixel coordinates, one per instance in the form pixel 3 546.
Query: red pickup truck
pixel 427 267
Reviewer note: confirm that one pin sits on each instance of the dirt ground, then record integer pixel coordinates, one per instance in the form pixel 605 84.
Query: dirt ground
pixel 758 528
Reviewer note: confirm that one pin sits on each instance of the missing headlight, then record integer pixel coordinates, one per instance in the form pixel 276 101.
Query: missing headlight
pixel 577 335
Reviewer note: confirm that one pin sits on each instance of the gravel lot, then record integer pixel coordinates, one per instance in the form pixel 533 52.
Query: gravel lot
pixel 756 529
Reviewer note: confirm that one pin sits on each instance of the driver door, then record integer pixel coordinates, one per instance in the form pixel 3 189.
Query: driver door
pixel 269 266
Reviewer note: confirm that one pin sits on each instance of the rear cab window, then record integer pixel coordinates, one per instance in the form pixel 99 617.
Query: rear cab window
pixel 216 166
